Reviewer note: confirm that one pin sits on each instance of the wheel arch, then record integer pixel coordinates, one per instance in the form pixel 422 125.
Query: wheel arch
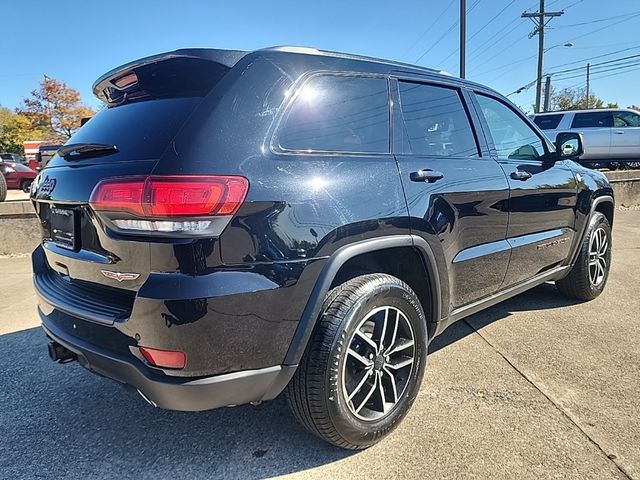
pixel 362 257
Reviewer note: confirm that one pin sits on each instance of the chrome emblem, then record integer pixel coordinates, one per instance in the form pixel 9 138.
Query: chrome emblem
pixel 119 276
pixel 47 186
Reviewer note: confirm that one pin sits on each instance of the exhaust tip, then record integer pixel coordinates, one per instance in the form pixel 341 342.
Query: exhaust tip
pixel 60 354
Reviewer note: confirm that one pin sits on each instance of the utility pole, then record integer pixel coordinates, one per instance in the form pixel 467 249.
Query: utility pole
pixel 463 36
pixel 540 20
pixel 588 67
pixel 547 93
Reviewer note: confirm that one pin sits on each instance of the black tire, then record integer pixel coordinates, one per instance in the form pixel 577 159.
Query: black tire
pixel 581 283
pixel 317 395
pixel 3 188
pixel 25 186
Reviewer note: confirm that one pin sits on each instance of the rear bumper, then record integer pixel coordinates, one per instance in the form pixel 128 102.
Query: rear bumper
pixel 176 393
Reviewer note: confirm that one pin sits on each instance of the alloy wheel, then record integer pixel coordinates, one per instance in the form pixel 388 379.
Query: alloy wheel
pixel 378 363
pixel 598 249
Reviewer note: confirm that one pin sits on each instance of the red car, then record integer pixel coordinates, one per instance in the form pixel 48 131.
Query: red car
pixel 18 176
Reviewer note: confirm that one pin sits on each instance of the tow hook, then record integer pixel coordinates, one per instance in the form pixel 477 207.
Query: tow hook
pixel 60 354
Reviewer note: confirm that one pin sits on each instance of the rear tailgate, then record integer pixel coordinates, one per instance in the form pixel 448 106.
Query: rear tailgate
pixel 82 267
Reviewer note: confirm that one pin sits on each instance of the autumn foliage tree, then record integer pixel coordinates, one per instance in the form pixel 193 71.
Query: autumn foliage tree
pixel 55 109
pixel 576 99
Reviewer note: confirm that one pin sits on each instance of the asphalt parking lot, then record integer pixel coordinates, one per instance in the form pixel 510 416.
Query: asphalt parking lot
pixel 537 387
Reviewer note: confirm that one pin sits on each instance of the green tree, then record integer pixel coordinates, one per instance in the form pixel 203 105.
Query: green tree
pixel 14 130
pixel 575 99
pixel 56 109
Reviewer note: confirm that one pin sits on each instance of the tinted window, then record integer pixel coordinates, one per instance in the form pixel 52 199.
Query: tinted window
pixel 626 119
pixel 6 156
pixel 592 119
pixel 512 137
pixel 338 114
pixel 548 122
pixel 20 168
pixel 140 130
pixel 435 121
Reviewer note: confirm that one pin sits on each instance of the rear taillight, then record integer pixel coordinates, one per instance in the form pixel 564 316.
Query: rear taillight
pixel 178 203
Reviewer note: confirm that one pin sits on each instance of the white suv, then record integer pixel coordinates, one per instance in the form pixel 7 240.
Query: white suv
pixel 609 135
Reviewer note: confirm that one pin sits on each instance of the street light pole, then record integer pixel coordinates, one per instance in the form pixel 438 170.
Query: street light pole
pixel 463 36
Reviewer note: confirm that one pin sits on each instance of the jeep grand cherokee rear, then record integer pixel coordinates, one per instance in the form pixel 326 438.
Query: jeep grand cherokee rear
pixel 235 224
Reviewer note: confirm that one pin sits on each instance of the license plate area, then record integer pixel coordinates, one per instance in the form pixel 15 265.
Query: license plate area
pixel 62 226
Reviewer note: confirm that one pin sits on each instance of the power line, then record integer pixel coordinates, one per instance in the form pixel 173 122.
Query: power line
pixel 481 29
pixel 597 56
pixel 605 27
pixel 433 45
pixel 591 22
pixel 428 29
pixel 594 64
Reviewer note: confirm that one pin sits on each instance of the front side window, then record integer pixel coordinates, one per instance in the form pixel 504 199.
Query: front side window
pixel 548 122
pixel 626 119
pixel 512 137
pixel 435 122
pixel 592 120
pixel 333 113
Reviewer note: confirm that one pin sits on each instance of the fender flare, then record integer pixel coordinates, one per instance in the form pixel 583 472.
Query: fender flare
pixel 335 262
pixel 595 201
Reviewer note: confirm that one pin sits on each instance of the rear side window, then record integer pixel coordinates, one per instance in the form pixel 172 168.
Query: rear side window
pixel 626 119
pixel 548 122
pixel 435 121
pixel 334 113
pixel 592 119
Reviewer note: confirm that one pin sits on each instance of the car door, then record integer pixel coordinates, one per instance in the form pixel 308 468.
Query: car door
pixel 456 193
pixel 542 193
pixel 625 138
pixel 596 131
pixel 10 175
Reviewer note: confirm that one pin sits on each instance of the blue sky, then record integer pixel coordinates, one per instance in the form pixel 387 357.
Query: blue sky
pixel 78 41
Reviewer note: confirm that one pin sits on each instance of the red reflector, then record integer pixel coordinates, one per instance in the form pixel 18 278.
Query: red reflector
pixel 171 196
pixel 164 358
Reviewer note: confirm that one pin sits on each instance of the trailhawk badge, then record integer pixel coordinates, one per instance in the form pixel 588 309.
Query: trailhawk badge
pixel 119 276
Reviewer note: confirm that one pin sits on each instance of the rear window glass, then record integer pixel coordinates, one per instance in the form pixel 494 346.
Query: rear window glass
pixel 140 130
pixel 20 168
pixel 435 121
pixel 334 113
pixel 592 119
pixel 548 122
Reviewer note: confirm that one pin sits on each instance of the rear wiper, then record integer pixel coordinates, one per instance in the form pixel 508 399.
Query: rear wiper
pixel 86 150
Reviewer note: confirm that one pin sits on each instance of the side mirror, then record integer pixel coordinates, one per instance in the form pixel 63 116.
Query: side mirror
pixel 569 145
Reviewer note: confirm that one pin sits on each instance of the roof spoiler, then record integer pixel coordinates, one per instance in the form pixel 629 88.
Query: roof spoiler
pixel 109 81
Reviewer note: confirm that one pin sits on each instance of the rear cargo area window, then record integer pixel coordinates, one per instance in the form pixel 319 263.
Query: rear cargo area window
pixel 548 122
pixel 593 120
pixel 332 113
pixel 435 121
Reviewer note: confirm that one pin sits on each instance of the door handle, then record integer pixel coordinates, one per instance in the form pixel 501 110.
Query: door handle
pixel 426 175
pixel 520 175
pixel 619 132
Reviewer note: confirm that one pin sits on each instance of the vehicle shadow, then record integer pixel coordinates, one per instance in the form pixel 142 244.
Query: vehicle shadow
pixel 543 297
pixel 60 421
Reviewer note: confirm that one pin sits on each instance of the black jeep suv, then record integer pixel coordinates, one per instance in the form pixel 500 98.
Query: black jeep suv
pixel 233 225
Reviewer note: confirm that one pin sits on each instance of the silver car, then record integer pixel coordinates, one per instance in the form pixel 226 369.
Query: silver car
pixel 609 135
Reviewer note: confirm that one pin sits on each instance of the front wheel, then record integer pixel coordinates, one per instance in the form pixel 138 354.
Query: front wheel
pixel 364 363
pixel 589 275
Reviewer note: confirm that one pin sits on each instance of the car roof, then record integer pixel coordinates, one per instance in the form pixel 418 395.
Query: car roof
pixel 230 58
pixel 590 110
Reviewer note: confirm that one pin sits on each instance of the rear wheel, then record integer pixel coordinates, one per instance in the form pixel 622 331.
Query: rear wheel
pixel 3 188
pixel 589 275
pixel 364 363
